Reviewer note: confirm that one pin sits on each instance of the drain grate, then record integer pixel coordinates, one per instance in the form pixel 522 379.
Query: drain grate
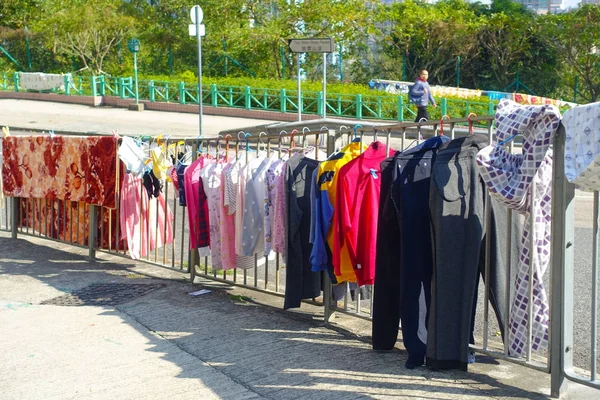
pixel 104 294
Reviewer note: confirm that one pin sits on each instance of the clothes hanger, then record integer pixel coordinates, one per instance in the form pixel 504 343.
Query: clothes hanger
pixel 280 137
pixel 420 136
pixel 442 124
pixel 509 139
pixel 471 130
pixel 356 139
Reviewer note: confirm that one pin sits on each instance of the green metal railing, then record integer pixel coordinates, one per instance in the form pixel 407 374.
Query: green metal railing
pixel 359 106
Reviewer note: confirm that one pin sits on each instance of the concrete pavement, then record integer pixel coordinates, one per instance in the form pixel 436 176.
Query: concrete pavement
pixel 229 344
pixel 45 115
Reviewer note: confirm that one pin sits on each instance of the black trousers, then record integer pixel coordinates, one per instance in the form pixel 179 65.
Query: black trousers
pixel 422 113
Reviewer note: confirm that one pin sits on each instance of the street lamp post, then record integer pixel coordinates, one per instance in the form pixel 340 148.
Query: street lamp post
pixel 134 47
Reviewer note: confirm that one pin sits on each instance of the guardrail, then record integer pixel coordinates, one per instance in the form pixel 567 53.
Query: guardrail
pixel 358 106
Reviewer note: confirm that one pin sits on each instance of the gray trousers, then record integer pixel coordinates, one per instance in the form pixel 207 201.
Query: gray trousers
pixel 457 205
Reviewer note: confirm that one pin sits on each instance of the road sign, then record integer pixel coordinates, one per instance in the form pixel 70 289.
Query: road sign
pixel 193 14
pixel 133 45
pixel 192 29
pixel 316 45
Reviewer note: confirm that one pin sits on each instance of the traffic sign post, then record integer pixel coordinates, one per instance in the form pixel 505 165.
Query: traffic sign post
pixel 197 29
pixel 314 45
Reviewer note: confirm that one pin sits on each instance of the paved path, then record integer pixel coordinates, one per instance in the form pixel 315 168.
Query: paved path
pixel 79 118
pixel 222 345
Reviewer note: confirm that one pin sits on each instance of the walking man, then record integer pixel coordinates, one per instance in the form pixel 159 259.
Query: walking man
pixel 420 94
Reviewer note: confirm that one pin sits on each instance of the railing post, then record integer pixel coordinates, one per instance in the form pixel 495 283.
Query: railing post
pixel 247 100
pixel 320 103
pixel 67 84
pixel 400 108
pixel 102 82
pixel 151 93
pixel 327 287
pixel 16 80
pixel 444 105
pixel 213 95
pixel 122 88
pixel 491 108
pixel 561 306
pixel 282 101
pixel 358 106
pixel 181 93
pixel 94 88
pixel 16 203
pixel 92 229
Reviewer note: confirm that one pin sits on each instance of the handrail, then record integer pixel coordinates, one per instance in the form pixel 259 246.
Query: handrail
pixel 384 107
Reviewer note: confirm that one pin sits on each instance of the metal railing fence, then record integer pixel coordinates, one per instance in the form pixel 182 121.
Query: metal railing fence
pixel 51 219
pixel 359 106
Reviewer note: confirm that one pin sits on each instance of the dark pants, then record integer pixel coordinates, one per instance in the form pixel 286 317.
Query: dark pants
pixel 404 262
pixel 422 113
pixel 457 205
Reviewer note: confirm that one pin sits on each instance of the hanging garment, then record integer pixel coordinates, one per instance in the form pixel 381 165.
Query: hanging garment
pixel 133 219
pixel 180 168
pixel 457 204
pixel 253 238
pixel 197 205
pixel 582 146
pixel 160 222
pixel 132 156
pixel 386 293
pixel 356 212
pixel 509 178
pixel 75 168
pixel 227 231
pixel 301 282
pixel 279 228
pixel 1 191
pixel 160 163
pixel 411 288
pixel 324 198
pixel 211 182
pixel 152 184
pixel 273 173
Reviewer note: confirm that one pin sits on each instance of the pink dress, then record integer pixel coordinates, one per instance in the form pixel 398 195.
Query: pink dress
pixel 227 231
pixel 133 221
pixel 196 206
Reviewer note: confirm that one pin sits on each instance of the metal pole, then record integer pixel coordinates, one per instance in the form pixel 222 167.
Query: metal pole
pixel 28 48
pixel 324 85
pixel 458 71
pixel 299 92
pixel 199 72
pixel 135 73
pixel 340 61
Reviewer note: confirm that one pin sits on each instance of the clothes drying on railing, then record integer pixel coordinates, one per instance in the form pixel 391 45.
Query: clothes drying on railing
pixel 75 168
pixel 431 250
pixel 582 146
pixel 509 178
pixel 355 214
pixel 146 220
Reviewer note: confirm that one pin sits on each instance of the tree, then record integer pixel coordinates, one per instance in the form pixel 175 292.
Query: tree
pixel 575 37
pixel 88 30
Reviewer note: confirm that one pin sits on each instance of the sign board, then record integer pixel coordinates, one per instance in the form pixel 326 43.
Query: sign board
pixel 192 29
pixel 323 45
pixel 193 14
pixel 133 45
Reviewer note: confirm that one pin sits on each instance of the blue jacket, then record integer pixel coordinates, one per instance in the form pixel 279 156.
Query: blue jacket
pixel 418 96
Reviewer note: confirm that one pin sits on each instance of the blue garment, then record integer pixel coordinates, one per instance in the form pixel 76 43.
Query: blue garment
pixel 180 170
pixel 420 94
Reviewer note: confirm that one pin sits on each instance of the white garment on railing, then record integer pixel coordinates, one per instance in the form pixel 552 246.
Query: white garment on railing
pixel 509 178
pixel 582 146
pixel 41 81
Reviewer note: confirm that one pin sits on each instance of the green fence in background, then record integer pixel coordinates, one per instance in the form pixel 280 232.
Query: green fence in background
pixel 359 106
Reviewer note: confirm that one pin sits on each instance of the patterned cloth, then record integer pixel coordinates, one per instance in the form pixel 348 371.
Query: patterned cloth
pixel 76 168
pixel 582 146
pixel 509 178
pixel 211 181
pixel 273 173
